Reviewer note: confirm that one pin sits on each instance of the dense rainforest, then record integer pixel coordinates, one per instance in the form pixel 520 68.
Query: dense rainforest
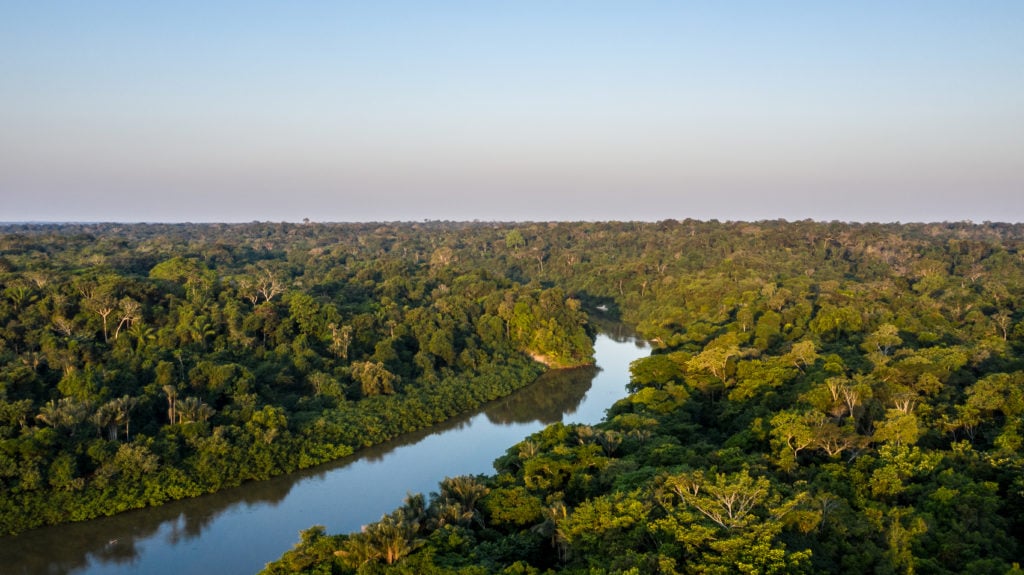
pixel 822 396
pixel 141 364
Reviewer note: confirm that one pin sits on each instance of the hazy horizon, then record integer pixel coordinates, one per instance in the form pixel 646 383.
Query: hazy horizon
pixel 462 111
pixel 481 221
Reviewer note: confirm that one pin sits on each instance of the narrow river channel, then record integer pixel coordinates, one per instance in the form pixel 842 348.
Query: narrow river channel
pixel 241 529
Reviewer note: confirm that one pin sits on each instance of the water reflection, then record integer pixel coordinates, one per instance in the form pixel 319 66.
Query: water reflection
pixel 113 540
pixel 222 532
pixel 615 330
pixel 555 393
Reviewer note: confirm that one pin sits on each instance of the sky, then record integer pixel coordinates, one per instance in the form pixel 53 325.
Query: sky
pixel 197 111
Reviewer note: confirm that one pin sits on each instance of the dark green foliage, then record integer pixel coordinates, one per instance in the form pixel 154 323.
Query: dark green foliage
pixel 141 364
pixel 823 397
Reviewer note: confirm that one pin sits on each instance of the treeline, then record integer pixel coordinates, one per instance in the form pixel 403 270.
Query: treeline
pixel 824 397
pixel 141 364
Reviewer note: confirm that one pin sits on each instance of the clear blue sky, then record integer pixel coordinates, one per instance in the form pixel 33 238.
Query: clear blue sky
pixel 541 110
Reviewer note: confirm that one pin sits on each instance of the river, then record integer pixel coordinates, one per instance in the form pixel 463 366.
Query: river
pixel 239 530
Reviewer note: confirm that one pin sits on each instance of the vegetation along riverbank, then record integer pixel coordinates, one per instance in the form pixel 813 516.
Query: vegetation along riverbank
pixel 825 397
pixel 142 364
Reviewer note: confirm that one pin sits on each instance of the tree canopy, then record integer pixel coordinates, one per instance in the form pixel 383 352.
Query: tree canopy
pixel 823 396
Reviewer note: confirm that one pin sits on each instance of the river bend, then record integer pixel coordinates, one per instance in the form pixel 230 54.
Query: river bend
pixel 239 530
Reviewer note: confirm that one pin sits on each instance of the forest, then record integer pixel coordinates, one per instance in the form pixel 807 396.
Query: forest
pixel 822 396
pixel 142 364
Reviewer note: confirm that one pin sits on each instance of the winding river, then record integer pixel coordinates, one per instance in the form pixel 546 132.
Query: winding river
pixel 241 529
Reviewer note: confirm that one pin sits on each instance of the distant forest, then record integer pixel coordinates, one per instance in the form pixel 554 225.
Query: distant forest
pixel 821 397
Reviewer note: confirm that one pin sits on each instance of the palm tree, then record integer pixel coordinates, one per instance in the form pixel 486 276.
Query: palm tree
pixel 201 329
pixel 52 414
pixel 192 409
pixel 20 295
pixel 414 507
pixel 528 449
pixel 610 441
pixel 553 516
pixel 356 551
pixel 65 413
pixel 188 409
pixel 104 419
pixel 204 412
pixel 584 434
pixel 141 334
pixel 394 536
pixel 447 513
pixel 172 396
pixel 123 407
pixel 388 540
pixel 458 500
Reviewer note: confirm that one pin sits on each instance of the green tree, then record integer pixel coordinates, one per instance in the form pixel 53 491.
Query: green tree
pixel 716 355
pixel 374 378
pixel 514 240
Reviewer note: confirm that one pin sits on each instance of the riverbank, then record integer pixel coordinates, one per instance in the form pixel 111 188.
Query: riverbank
pixel 143 482
pixel 238 530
